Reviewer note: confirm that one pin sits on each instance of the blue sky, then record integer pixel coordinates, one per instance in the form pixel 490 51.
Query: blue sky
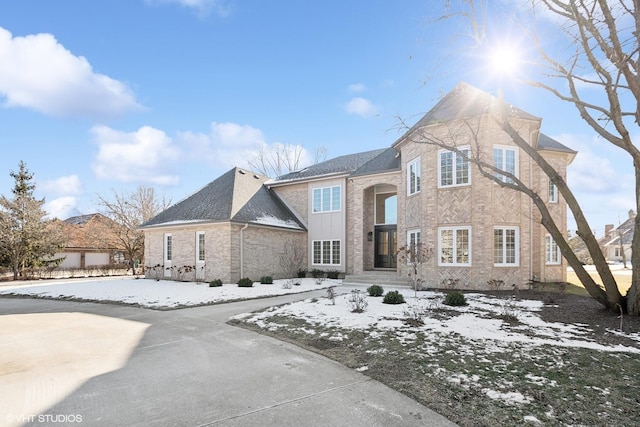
pixel 100 95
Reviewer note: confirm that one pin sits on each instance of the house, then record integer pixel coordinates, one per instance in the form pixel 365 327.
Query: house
pixel 616 242
pixel 89 242
pixel 353 213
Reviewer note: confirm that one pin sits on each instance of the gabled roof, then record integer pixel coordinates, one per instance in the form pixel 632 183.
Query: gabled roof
pixel 81 219
pixel 339 165
pixel 236 196
pixel 624 231
pixel 547 143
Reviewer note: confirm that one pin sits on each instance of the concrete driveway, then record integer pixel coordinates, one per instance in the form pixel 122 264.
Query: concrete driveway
pixel 68 363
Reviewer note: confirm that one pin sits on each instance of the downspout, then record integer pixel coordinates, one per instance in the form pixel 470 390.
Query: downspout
pixel 242 249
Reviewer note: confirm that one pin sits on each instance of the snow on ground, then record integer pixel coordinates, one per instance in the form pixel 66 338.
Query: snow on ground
pixel 156 294
pixel 476 321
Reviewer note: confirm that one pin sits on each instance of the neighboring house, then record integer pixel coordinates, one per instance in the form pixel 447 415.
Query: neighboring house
pixel 354 212
pixel 89 242
pixel 616 242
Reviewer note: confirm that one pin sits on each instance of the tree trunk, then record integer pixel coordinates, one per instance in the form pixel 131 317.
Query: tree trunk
pixel 633 297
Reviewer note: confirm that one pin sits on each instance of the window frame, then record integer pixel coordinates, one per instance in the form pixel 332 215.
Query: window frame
pixel 516 162
pixel 415 163
pixel 549 245
pixel 413 237
pixel 201 253
pixel 553 192
pixel 335 205
pixel 168 247
pixel 456 159
pixel 322 255
pixel 455 255
pixel 505 248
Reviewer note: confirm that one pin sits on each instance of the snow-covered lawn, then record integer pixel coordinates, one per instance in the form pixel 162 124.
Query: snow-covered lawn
pixel 156 294
pixel 494 349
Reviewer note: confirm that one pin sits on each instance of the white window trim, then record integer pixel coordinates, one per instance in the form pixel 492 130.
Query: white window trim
pixel 198 260
pixel 418 240
pixel 330 252
pixel 322 208
pixel 455 156
pixel 504 247
pixel 548 243
pixel 553 192
pixel 516 159
pixel 454 229
pixel 165 249
pixel 414 162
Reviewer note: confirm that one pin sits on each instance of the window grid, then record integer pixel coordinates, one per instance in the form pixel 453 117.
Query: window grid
pixel 505 159
pixel 505 246
pixel 454 168
pixel 201 253
pixel 455 246
pixel 326 252
pixel 413 238
pixel 552 251
pixel 168 248
pixel 326 199
pixel 553 192
pixel 413 178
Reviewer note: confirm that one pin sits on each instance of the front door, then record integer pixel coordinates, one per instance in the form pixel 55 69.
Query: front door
pixel 386 246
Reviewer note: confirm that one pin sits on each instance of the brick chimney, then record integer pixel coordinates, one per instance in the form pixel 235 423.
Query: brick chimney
pixel 608 229
pixel 632 214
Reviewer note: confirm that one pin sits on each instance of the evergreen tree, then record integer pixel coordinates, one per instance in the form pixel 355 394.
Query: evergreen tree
pixel 27 239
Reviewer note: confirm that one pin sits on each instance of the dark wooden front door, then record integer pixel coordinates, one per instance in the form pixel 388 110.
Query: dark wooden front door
pixel 386 246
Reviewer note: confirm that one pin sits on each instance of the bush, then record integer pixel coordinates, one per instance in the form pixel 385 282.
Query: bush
pixel 266 280
pixel 215 283
pixel 375 290
pixel 316 273
pixel 333 274
pixel 357 302
pixel 302 273
pixel 455 299
pixel 393 297
pixel 245 282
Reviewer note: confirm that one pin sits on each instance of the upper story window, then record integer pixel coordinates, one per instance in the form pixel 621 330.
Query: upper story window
pixel 453 168
pixel 326 199
pixel 553 192
pixel 413 177
pixel 506 159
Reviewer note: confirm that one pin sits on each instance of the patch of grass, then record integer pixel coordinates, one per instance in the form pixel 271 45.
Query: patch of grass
pixel 623 279
pixel 459 377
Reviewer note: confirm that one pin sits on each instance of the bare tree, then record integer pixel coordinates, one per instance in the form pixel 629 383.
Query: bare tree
pixel 128 211
pixel 605 38
pixel 415 255
pixel 279 159
pixel 27 240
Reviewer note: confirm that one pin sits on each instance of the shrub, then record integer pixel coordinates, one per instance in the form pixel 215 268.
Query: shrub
pixel 375 290
pixel 450 284
pixel 357 302
pixel 215 283
pixel 302 273
pixel 333 274
pixel 331 294
pixel 495 284
pixel 266 280
pixel 316 273
pixel 393 297
pixel 245 282
pixel 455 299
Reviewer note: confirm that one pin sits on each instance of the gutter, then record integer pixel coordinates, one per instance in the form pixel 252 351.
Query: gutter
pixel 242 249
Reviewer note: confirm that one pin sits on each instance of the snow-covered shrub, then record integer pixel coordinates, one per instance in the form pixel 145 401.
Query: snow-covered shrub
pixel 357 302
pixel 331 294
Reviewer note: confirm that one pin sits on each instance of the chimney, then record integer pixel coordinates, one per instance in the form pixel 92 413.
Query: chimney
pixel 632 214
pixel 608 229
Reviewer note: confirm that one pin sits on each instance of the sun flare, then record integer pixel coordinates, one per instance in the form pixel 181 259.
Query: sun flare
pixel 505 59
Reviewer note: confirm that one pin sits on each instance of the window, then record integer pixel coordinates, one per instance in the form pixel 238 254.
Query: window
pixel 553 192
pixel 454 246
pixel 413 177
pixel 167 247
pixel 326 252
pixel 326 199
pixel 453 168
pixel 506 246
pixel 413 242
pixel 200 246
pixel 507 160
pixel 552 251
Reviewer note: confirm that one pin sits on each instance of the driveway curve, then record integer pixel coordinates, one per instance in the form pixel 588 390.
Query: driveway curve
pixel 70 363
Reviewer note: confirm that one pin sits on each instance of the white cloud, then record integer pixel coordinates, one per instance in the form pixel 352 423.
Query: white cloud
pixel 62 207
pixel 357 87
pixel 67 185
pixel 227 145
pixel 38 72
pixel 147 155
pixel 361 107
